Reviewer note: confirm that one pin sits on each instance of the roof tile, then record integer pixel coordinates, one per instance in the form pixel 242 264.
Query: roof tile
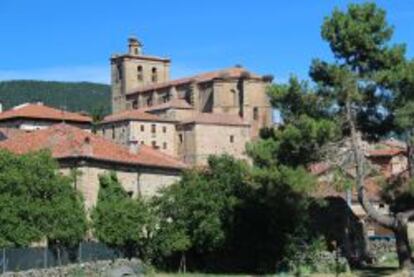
pixel 65 141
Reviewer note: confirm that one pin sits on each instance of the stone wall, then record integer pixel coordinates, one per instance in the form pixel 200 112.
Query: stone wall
pixel 138 181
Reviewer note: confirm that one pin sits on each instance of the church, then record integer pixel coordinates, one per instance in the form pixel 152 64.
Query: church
pixel 190 118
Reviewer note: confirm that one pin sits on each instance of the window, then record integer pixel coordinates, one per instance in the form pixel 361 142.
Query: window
pixel 149 100
pixel 231 139
pixel 130 193
pixel 142 128
pixel 255 113
pixel 135 104
pixel 119 69
pixel 154 77
pixel 113 132
pixel 164 129
pixel 140 75
pixel 164 145
pixel 180 137
pixel 166 97
pixel 142 142
pixel 153 128
pixel 154 144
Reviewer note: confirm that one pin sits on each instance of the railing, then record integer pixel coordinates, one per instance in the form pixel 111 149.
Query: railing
pixel 16 259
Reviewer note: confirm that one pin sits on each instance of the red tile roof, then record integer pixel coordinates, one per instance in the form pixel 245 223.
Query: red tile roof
pixel 65 141
pixel 10 132
pixel 385 152
pixel 372 190
pixel 138 115
pixel 217 119
pixel 233 72
pixel 40 111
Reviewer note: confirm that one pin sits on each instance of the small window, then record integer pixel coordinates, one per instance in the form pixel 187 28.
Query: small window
pixel 142 128
pixel 142 142
pixel 140 76
pixel 154 144
pixel 149 100
pixel 180 137
pixel 231 139
pixel 164 129
pixel 255 113
pixel 135 104
pixel 381 205
pixel 154 76
pixel 103 131
pixel 113 132
pixel 153 128
pixel 130 193
pixel 164 145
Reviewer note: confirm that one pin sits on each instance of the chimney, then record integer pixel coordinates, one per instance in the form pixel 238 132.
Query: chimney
pixel 133 146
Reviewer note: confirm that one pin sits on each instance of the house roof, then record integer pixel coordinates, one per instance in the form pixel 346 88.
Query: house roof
pixel 233 72
pixel 216 119
pixel 6 133
pixel 372 190
pixel 384 152
pixel 40 111
pixel 65 141
pixel 134 115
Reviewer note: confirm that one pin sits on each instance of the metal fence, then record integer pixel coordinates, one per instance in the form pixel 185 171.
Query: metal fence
pixel 17 259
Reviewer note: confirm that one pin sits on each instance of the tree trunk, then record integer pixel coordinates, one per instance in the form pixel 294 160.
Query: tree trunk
pixel 396 223
pixel 403 247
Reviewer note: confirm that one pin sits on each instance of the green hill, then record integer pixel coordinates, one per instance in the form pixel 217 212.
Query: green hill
pixel 77 97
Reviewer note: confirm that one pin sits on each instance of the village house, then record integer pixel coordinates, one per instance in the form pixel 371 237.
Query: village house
pixel 35 116
pixel 387 159
pixel 142 170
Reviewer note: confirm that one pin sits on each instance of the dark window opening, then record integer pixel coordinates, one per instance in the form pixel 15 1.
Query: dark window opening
pixel 255 113
pixel 180 137
pixel 164 129
pixel 154 76
pixel 164 145
pixel 231 139
pixel 153 129
pixel 113 132
pixel 140 75
pixel 154 144
pixel 142 142
pixel 149 100
pixel 130 193
pixel 135 104
pixel 142 128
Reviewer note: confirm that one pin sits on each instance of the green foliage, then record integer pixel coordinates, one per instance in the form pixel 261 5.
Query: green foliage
pixel 195 212
pixel 120 221
pixel 92 98
pixel 37 202
pixel 365 65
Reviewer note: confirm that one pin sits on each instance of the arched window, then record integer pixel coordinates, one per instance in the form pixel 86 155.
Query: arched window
pixel 154 77
pixel 140 75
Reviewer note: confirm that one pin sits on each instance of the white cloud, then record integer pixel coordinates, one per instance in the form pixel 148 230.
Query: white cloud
pixel 98 74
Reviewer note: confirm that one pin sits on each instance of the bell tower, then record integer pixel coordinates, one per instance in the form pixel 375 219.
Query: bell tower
pixel 134 70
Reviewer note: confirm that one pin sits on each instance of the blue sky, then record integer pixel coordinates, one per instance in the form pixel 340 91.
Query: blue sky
pixel 72 40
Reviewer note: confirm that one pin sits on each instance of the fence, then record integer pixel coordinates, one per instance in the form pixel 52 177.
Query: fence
pixel 16 259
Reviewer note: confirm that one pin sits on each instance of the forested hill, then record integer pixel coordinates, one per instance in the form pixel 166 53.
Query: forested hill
pixel 81 96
